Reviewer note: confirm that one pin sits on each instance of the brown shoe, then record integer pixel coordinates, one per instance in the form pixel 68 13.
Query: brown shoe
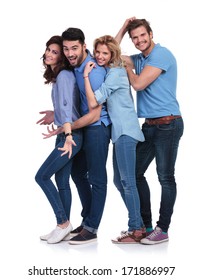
pixel 132 237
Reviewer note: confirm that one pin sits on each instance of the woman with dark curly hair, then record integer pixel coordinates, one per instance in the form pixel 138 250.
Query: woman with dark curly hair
pixel 65 99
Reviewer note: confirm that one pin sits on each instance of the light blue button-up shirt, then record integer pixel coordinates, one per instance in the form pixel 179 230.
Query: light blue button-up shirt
pixel 66 98
pixel 116 91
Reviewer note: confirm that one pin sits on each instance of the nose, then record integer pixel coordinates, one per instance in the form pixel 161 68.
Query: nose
pixel 99 55
pixel 70 53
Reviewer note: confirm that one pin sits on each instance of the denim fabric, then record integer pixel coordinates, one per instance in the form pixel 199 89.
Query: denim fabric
pixel 124 162
pixel 79 175
pixel 60 196
pixel 116 91
pixel 161 143
pixel 96 145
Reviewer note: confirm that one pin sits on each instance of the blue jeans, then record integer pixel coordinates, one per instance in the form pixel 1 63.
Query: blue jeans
pixel 124 163
pixel 96 145
pixel 59 197
pixel 161 143
pixel 79 175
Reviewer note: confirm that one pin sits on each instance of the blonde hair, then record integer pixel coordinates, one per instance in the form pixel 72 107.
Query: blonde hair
pixel 113 47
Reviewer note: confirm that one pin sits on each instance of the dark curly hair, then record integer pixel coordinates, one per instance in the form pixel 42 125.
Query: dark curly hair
pixel 49 74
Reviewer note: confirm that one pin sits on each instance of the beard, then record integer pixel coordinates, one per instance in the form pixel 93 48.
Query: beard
pixel 76 61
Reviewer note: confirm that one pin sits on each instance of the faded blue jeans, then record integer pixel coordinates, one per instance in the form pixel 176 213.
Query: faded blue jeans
pixel 161 143
pixel 124 164
pixel 59 196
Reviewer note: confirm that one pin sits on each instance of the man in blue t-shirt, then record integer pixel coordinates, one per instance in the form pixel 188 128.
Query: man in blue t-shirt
pixel 97 134
pixel 155 81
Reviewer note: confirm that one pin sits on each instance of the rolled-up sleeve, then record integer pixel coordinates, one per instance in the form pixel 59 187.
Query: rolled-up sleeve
pixel 63 97
pixel 110 85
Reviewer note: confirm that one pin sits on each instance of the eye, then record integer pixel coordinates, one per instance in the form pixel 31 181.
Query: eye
pixel 55 52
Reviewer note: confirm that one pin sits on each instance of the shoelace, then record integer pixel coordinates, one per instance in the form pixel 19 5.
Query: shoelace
pixel 126 234
pixel 154 233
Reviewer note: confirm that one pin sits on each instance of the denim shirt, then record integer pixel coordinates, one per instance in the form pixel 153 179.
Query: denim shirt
pixel 65 98
pixel 96 77
pixel 117 91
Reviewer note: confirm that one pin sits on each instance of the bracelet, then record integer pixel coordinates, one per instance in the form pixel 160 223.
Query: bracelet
pixel 68 134
pixel 85 77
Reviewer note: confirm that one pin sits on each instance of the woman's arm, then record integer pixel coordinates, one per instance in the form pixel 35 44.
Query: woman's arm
pixel 145 78
pixel 92 103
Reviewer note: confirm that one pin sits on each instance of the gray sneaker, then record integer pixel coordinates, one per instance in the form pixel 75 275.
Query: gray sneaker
pixel 155 237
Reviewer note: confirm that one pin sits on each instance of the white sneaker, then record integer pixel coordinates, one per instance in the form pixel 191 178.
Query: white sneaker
pixel 67 237
pixel 59 234
pixel 46 236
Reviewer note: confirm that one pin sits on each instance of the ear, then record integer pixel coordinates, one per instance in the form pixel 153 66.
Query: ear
pixel 84 47
pixel 151 35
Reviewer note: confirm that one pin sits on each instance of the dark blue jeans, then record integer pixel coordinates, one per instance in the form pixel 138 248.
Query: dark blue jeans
pixel 79 175
pixel 59 197
pixel 96 145
pixel 161 143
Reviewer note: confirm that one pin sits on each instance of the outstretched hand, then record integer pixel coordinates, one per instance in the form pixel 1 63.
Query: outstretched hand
pixel 47 119
pixel 52 131
pixel 67 148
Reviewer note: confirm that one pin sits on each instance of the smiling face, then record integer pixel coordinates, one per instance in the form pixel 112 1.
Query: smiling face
pixel 74 51
pixel 52 55
pixel 142 39
pixel 102 55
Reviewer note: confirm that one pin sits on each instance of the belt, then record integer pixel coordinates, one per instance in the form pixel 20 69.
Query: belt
pixel 162 120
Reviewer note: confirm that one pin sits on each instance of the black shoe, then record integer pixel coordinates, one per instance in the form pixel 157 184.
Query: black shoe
pixel 76 231
pixel 83 237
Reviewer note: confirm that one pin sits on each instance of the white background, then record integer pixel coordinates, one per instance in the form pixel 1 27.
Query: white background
pixel 25 26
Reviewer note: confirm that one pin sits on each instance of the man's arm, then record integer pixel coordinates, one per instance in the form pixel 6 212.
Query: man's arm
pixel 91 117
pixel 146 77
pixel 119 36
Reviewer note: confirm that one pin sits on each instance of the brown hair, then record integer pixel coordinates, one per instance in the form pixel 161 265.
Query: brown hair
pixel 49 74
pixel 137 23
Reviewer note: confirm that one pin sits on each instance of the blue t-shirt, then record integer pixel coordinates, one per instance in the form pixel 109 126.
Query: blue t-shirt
pixel 96 76
pixel 159 98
